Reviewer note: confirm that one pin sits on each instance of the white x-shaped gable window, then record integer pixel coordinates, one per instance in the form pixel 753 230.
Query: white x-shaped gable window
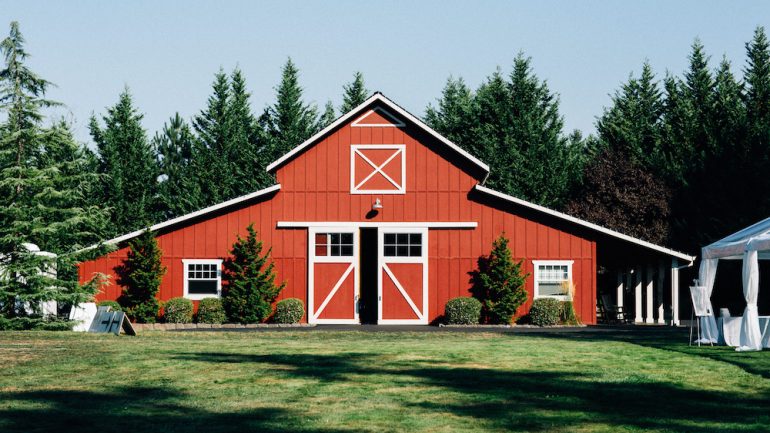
pixel 377 169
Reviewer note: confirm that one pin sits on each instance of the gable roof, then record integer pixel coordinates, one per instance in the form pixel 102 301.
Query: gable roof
pixel 376 97
pixel 189 216
pixel 578 221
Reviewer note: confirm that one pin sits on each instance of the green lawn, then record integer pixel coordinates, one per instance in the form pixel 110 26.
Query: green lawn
pixel 386 381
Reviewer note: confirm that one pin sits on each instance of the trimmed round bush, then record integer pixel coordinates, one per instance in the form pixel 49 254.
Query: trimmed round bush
pixel 210 310
pixel 289 311
pixel 112 304
pixel 545 312
pixel 178 310
pixel 463 311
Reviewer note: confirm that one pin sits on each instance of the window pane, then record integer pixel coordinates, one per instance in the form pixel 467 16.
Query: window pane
pixel 320 250
pixel 202 287
pixel 402 251
pixel 390 251
pixel 320 238
pixel 415 251
pixel 390 238
pixel 415 239
pixel 347 238
pixel 335 250
pixel 335 238
pixel 347 250
pixel 402 238
pixel 551 289
pixel 190 274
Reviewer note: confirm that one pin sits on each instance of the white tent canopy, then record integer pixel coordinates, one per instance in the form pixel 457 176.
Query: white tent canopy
pixel 750 245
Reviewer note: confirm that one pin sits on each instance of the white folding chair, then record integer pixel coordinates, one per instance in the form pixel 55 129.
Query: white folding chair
pixel 700 308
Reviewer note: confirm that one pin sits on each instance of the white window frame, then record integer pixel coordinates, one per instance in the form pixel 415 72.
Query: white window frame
pixel 397 148
pixel 199 296
pixel 538 263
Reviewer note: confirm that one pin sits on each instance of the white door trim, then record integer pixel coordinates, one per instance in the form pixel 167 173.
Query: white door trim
pixel 312 313
pixel 382 267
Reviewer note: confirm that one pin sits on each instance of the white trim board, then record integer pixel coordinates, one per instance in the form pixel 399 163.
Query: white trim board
pixel 358 149
pixel 415 224
pixel 583 223
pixel 377 97
pixel 395 122
pixel 191 215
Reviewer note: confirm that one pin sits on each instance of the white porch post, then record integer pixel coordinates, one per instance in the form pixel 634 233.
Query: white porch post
pixel 648 310
pixel 638 295
pixel 661 277
pixel 674 292
pixel 619 298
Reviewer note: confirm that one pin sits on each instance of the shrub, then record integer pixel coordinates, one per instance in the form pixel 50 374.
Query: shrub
pixel 178 310
pixel 567 313
pixel 499 283
pixel 289 311
pixel 463 311
pixel 210 310
pixel 249 275
pixel 140 275
pixel 545 312
pixel 35 323
pixel 112 304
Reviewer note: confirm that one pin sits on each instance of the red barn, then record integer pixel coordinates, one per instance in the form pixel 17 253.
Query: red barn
pixel 379 219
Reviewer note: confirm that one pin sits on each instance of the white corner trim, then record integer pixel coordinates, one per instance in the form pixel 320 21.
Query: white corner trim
pixel 357 150
pixel 379 97
pixel 354 224
pixel 395 122
pixel 196 296
pixel 191 215
pixel 583 223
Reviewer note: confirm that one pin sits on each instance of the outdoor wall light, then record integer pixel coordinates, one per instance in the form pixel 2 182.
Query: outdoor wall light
pixel 377 205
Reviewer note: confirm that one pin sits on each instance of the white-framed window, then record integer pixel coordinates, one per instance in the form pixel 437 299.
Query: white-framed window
pixel 202 278
pixel 553 279
pixel 333 244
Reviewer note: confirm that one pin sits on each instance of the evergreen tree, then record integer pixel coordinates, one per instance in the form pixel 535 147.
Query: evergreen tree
pixel 42 189
pixel 289 121
pixel 757 102
pixel 455 116
pixel 515 127
pixel 140 274
pixel 327 117
pixel 354 93
pixel 128 164
pixel 632 125
pixel 212 154
pixel 249 275
pixel 179 190
pixel 230 154
pixel 499 283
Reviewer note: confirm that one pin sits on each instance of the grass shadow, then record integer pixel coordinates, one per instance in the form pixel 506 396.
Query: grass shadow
pixel 135 409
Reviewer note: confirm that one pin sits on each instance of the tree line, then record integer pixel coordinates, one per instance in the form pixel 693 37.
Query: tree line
pixel 678 160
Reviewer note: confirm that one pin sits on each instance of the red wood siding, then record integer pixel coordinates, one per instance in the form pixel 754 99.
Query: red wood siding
pixel 315 186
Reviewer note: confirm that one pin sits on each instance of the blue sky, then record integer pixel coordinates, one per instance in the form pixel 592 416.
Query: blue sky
pixel 167 52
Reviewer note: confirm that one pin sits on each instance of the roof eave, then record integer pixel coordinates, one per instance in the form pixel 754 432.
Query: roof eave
pixel 590 225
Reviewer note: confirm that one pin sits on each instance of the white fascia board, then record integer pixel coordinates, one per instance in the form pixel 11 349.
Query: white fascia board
pixel 416 224
pixel 584 223
pixel 191 215
pixel 393 106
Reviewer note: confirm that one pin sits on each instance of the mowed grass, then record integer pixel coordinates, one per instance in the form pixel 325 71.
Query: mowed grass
pixel 321 381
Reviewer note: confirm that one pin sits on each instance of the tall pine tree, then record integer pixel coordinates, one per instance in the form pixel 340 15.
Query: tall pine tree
pixel 354 93
pixel 290 121
pixel 128 164
pixel 43 186
pixel 178 190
